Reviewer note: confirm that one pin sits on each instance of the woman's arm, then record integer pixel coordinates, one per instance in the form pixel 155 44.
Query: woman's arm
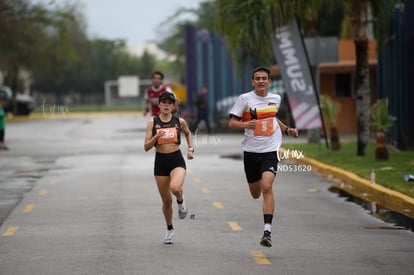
pixel 188 137
pixel 149 138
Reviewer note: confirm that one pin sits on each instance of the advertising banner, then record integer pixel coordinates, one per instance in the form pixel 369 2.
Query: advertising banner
pixel 292 60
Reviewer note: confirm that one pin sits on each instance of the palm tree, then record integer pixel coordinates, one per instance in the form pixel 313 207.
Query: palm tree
pixel 248 26
pixel 358 11
pixel 381 121
pixel 330 109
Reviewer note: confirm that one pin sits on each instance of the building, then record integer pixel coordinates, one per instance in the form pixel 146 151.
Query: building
pixel 336 81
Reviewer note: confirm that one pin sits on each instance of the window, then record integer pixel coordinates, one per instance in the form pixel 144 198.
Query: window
pixel 343 85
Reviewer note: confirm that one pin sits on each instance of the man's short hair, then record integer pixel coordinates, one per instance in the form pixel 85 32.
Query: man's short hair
pixel 261 69
pixel 157 73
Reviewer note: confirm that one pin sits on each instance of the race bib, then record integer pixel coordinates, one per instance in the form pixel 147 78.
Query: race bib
pixel 170 136
pixel 264 127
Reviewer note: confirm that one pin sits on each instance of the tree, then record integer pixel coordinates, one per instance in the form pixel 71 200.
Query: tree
pixel 147 65
pixel 358 11
pixel 250 23
pixel 35 38
pixel 174 42
pixel 330 110
pixel 382 120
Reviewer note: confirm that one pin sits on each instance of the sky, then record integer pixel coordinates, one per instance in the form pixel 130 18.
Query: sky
pixel 135 21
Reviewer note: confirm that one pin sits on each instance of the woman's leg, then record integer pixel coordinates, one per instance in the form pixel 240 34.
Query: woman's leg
pixel 176 183
pixel 163 184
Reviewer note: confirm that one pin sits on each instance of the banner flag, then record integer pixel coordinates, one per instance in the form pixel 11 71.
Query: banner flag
pixel 293 63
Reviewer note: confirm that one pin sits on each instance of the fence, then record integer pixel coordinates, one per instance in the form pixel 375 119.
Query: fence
pixel 396 71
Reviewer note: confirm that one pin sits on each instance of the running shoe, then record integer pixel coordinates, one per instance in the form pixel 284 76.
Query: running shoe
pixel 266 240
pixel 182 210
pixel 169 237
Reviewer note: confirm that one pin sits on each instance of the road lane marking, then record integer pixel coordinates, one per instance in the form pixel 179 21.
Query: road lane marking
pixel 42 192
pixel 234 226
pixel 196 180
pixel 205 190
pixel 29 208
pixel 10 231
pixel 217 205
pixel 259 257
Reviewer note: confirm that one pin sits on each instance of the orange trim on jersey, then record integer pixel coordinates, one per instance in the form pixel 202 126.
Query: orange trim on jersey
pixel 261 114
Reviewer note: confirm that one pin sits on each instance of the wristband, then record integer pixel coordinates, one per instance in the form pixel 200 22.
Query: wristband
pixel 287 131
pixel 191 149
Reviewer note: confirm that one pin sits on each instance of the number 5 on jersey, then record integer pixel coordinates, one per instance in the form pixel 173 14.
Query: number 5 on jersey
pixel 264 127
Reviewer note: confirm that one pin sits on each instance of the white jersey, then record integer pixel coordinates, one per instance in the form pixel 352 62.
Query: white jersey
pixel 267 137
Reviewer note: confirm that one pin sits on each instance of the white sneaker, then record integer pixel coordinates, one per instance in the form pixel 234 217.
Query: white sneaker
pixel 169 237
pixel 182 210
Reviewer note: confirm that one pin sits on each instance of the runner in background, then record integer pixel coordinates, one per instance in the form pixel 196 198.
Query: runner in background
pixel 153 93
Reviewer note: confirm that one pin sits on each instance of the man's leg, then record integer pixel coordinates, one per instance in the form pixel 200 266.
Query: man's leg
pixel 198 120
pixel 267 190
pixel 205 117
pixel 264 186
pixel 255 189
pixel 268 207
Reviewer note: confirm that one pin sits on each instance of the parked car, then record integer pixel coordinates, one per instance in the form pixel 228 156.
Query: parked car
pixel 25 103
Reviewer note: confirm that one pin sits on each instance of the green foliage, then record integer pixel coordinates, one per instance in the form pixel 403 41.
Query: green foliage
pixel 382 11
pixel 33 38
pixel 380 116
pixel 173 42
pixel 99 60
pixel 248 25
pixel 330 109
pixel 49 42
pixel 331 14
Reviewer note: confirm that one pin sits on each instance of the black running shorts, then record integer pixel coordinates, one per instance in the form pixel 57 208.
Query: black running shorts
pixel 257 163
pixel 165 163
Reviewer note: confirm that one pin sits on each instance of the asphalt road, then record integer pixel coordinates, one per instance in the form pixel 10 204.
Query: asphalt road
pixel 77 196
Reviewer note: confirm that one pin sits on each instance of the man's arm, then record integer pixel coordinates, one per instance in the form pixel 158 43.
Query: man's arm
pixel 235 123
pixel 288 131
pixel 147 107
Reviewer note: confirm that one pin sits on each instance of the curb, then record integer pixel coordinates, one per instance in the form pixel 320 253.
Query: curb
pixel 362 188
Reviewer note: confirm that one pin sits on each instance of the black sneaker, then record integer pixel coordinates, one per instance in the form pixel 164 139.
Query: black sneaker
pixel 266 240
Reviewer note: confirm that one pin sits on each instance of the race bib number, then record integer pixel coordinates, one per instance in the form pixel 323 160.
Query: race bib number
pixel 169 136
pixel 264 127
